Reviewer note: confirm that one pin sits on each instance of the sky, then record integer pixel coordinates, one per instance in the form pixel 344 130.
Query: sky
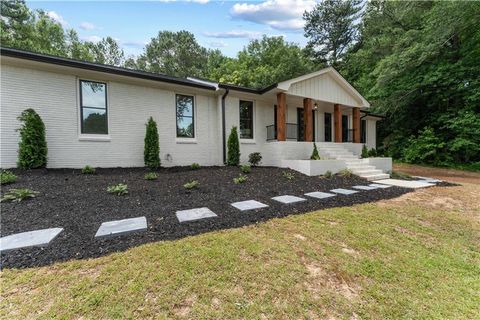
pixel 224 25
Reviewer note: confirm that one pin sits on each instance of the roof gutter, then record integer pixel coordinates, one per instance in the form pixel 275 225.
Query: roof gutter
pixel 224 138
pixel 247 90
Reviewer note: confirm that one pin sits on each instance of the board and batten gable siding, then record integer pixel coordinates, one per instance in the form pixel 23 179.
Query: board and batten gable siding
pixel 55 97
pixel 324 88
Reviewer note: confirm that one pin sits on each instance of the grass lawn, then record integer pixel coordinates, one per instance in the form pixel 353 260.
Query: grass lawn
pixel 416 256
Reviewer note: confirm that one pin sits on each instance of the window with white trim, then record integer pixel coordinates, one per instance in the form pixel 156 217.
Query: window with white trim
pixel 93 107
pixel 246 119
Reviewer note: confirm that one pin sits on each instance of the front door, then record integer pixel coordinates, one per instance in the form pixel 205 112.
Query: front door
pixel 328 127
pixel 300 125
pixel 344 128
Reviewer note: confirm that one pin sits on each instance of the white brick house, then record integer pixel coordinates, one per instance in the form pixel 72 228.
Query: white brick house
pixel 194 116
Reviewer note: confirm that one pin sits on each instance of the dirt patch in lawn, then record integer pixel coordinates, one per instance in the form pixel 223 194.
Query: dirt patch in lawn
pixel 452 175
pixel 79 204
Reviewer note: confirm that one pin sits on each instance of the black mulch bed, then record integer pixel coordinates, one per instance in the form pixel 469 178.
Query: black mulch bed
pixel 79 204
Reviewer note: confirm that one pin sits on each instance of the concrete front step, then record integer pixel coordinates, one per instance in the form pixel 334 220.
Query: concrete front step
pixel 376 177
pixel 360 167
pixel 367 172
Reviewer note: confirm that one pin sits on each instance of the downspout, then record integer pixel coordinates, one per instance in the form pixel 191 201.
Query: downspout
pixel 224 140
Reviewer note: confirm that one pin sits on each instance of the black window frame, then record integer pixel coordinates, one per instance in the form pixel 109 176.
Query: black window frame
pixel 183 116
pixel 251 119
pixel 82 127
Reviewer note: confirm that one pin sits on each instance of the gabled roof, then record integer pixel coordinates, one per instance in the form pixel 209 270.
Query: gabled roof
pixel 285 85
pixel 15 53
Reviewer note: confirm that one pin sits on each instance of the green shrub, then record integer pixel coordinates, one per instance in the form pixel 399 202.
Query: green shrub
pixel 328 174
pixel 423 149
pixel 255 158
pixel 240 179
pixel 288 175
pixel 315 155
pixel 150 176
pixel 364 151
pixel 345 173
pixel 246 168
pixel 233 157
pixel 195 166
pixel 7 177
pixel 17 195
pixel 372 153
pixel 151 152
pixel 88 170
pixel 119 189
pixel 32 151
pixel 191 185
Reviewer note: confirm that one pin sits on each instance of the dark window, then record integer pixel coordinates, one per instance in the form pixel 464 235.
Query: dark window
pixel 363 131
pixel 185 116
pixel 246 119
pixel 328 127
pixel 300 125
pixel 93 107
pixel 345 137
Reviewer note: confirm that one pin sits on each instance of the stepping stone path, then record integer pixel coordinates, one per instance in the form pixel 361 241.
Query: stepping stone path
pixel 406 183
pixel 249 205
pixel 320 195
pixel 287 199
pixel 37 238
pixel 377 185
pixel 121 227
pixel 344 191
pixel 366 188
pixel 195 214
pixel 429 180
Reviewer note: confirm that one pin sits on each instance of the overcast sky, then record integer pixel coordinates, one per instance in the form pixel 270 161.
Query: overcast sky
pixel 226 25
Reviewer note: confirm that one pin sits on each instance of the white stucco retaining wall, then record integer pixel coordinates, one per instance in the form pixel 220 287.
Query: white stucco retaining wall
pixel 381 163
pixel 315 167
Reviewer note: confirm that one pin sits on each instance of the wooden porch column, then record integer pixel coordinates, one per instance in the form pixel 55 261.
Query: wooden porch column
pixel 356 125
pixel 308 119
pixel 281 116
pixel 337 122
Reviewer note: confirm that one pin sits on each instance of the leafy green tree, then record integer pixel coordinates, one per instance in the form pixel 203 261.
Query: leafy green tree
pixel 331 28
pixel 424 148
pixel 174 53
pixel 264 62
pixel 107 51
pixel 233 144
pixel 151 153
pixel 32 151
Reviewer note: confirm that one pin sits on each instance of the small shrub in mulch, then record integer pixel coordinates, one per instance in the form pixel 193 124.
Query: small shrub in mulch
pixel 191 185
pixel 88 170
pixel 150 176
pixel 240 179
pixel 255 158
pixel 246 168
pixel 17 195
pixel 118 189
pixel 7 177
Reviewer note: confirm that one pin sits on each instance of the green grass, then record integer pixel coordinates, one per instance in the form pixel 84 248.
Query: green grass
pixel 383 261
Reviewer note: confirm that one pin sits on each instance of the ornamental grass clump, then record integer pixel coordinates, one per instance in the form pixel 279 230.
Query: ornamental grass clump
pixel 7 177
pixel 240 179
pixel 246 168
pixel 119 189
pixel 88 170
pixel 17 195
pixel 345 173
pixel 233 156
pixel 288 175
pixel 32 149
pixel 151 152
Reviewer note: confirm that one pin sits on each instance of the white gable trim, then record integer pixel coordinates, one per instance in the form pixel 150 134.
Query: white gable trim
pixel 285 85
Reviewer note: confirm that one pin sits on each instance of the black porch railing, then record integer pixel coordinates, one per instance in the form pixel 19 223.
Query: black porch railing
pixel 291 132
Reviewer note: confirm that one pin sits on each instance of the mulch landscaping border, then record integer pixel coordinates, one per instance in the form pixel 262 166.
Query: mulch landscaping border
pixel 79 203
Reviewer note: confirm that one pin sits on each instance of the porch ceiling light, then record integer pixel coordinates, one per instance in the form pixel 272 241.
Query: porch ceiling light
pixel 315 106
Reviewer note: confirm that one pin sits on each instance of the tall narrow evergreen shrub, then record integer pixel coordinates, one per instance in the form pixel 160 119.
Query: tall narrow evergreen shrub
pixel 364 151
pixel 233 157
pixel 32 151
pixel 315 155
pixel 151 153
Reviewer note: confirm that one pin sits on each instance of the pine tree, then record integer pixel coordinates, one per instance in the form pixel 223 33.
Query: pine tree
pixel 315 155
pixel 151 153
pixel 233 158
pixel 32 152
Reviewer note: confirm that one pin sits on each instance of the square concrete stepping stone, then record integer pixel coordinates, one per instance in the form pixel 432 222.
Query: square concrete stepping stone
pixel 344 191
pixel 37 238
pixel 320 195
pixel 429 180
pixel 287 199
pixel 249 205
pixel 195 214
pixel 121 227
pixel 405 183
pixel 377 185
pixel 366 188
